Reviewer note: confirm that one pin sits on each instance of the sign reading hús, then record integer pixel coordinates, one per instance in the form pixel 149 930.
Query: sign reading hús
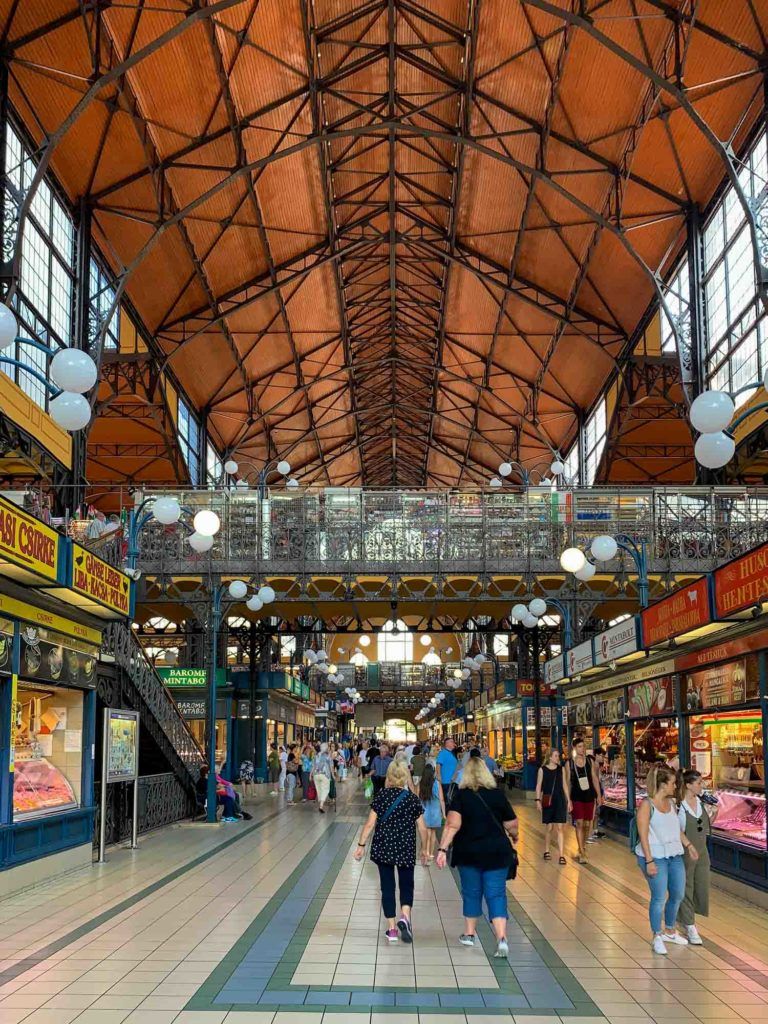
pixel 27 542
pixel 100 581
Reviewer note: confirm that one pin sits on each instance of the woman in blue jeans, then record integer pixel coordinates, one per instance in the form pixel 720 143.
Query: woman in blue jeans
pixel 660 855
pixel 480 825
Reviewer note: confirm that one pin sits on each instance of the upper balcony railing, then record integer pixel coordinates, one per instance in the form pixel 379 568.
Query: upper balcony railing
pixel 377 531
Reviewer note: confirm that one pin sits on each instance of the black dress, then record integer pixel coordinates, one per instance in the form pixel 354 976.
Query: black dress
pixel 552 785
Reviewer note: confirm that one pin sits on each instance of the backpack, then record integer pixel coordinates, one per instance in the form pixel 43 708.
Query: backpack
pixel 634 835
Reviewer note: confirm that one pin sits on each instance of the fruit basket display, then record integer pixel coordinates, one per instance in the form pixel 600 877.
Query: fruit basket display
pixel 40 786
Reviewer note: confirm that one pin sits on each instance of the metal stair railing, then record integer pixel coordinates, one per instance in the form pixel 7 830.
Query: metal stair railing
pixel 120 644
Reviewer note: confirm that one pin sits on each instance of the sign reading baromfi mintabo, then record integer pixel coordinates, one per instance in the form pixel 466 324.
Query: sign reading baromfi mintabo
pixel 100 581
pixel 26 542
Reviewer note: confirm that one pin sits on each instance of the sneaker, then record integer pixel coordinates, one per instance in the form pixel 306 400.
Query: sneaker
pixel 247 816
pixel 392 934
pixel 693 936
pixel 600 834
pixel 658 945
pixel 502 949
pixel 467 940
pixel 592 839
pixel 230 819
pixel 406 932
pixel 273 792
pixel 675 937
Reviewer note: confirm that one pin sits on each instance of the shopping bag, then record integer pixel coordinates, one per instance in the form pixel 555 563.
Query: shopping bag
pixel 368 789
pixel 311 792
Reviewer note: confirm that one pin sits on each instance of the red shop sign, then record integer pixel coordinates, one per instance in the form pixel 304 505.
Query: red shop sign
pixel 525 688
pixel 682 611
pixel 653 697
pixel 742 583
pixel 723 651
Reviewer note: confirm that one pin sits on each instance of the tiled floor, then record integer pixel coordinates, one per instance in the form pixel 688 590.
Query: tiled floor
pixel 268 921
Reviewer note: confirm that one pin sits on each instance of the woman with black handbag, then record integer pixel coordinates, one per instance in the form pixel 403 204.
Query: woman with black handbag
pixel 553 801
pixel 481 826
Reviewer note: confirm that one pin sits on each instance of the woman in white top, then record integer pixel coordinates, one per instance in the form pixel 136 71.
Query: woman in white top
pixel 660 855
pixel 696 822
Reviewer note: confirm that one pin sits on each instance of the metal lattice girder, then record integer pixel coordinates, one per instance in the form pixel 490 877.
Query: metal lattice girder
pixel 395 108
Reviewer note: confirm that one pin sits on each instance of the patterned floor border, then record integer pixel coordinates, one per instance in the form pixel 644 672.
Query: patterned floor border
pixel 256 973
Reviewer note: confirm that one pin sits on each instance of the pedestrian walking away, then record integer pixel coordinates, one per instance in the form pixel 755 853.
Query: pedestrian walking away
pixel 553 801
pixel 447 767
pixel 396 813
pixel 431 795
pixel 479 827
pixel 695 820
pixel 322 776
pixel 600 758
pixel 659 850
pixel 583 787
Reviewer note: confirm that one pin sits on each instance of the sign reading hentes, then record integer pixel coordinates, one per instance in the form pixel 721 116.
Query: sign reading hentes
pixel 100 581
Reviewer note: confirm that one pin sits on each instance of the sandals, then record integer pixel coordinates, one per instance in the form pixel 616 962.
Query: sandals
pixel 547 855
pixel 561 860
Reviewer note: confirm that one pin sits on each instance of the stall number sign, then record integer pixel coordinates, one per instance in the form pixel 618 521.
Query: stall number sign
pixel 27 542
pixel 681 612
pixel 100 581
pixel 553 670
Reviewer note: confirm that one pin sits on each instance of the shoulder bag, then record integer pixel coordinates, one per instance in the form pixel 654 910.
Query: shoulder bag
pixel 547 798
pixel 514 860
pixel 398 800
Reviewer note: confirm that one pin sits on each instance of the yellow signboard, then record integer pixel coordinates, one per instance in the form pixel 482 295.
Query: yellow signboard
pixel 40 617
pixel 100 581
pixel 26 542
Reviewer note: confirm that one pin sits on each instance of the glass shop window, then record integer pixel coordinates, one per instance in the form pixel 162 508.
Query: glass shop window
pixel 613 739
pixel 656 741
pixel 727 748
pixel 47 739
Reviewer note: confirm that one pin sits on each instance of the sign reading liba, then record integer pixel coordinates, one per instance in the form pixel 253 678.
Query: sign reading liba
pixel 97 579
pixel 27 542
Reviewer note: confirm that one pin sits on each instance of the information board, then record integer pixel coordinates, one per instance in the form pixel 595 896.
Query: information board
pixel 121 736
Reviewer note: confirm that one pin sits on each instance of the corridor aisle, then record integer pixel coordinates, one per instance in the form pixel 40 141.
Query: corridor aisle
pixel 272 922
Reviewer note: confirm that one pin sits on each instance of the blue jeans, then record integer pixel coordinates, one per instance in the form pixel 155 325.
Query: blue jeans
pixel 476 883
pixel 667 890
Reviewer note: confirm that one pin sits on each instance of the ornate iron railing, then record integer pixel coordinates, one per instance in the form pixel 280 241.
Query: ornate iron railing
pixel 119 644
pixel 347 531
pixel 162 801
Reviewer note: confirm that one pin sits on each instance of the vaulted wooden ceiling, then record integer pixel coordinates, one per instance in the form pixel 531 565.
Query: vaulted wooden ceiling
pixel 394 240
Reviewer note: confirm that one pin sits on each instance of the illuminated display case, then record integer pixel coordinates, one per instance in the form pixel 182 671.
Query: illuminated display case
pixel 727 748
pixel 614 772
pixel 656 741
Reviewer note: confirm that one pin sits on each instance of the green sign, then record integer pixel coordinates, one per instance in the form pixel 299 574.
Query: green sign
pixel 190 676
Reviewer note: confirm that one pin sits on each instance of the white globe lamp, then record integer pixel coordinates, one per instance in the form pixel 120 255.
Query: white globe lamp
pixel 557 468
pixel 231 467
pixel 238 589
pixel 711 412
pixel 242 485
pixel 292 483
pixel 167 511
pixel 466 673
pixel 364 640
pixel 519 612
pixel 714 451
pixel 604 548
pixel 200 543
pixel 494 482
pixel 586 572
pixel 530 621
pixel 321 655
pixel 572 559
pixel 266 594
pixel 70 411
pixel 505 469
pixel 309 655
pixel 73 370
pixel 9 329
pixel 425 640
pixel 207 523
pixel 457 673
pixel 537 607
pixel 283 467
pixel 254 604
pixel 480 659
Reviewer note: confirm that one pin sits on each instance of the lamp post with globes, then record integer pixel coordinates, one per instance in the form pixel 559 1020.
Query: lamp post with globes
pixel 556 468
pixel 282 466
pixel 603 549
pixel 237 591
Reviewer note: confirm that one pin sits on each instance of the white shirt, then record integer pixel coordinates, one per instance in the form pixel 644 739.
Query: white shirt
pixel 663 835
pixel 283 756
pixel 685 807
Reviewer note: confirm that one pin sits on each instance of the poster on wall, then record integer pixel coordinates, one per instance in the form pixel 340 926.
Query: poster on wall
pixel 719 685
pixel 47 656
pixel 121 734
pixel 609 709
pixel 653 697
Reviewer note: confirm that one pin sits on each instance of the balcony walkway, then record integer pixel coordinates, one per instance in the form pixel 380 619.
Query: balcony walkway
pixel 272 922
